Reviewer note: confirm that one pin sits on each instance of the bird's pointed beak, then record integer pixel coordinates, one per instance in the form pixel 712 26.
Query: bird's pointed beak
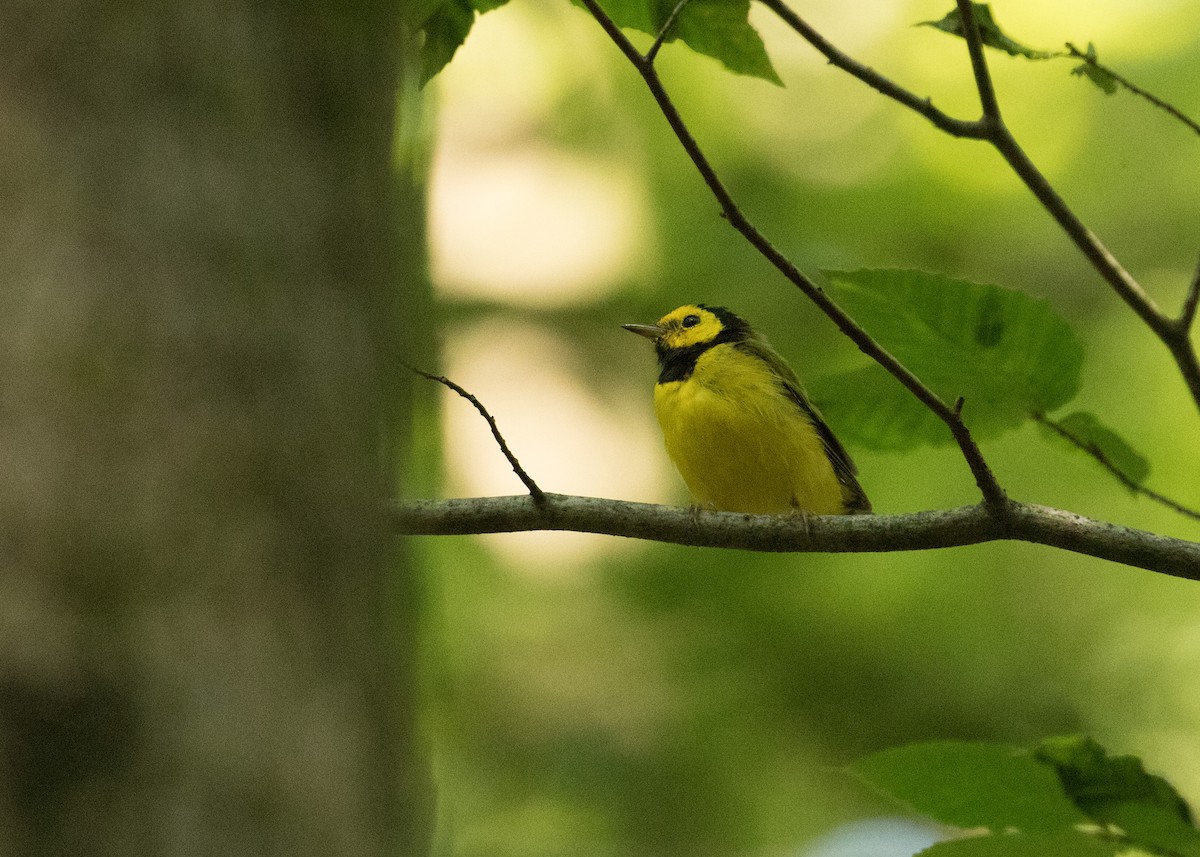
pixel 650 331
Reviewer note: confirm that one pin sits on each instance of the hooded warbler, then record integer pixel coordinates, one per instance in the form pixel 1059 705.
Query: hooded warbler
pixel 737 423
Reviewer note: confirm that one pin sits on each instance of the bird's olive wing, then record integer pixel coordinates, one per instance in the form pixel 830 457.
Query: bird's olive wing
pixel 843 464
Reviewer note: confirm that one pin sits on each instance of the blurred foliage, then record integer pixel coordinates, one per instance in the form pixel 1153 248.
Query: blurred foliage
pixel 1066 797
pixel 658 700
pixel 1117 793
pixel 972 784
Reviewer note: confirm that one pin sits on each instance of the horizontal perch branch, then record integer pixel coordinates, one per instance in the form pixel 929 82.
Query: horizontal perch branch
pixel 966 525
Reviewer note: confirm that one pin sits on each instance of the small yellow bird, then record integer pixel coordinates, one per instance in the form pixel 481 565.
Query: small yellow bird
pixel 737 423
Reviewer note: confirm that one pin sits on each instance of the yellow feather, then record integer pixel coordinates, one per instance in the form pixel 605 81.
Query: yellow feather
pixel 734 426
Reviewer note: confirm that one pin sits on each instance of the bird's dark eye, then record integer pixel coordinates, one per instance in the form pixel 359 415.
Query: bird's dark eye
pixel 691 320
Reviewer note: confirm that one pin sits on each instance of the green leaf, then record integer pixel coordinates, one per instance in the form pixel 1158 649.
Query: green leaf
pixel 641 15
pixel 989 32
pixel 1116 790
pixel 1085 431
pixel 716 28
pixel 1060 844
pixel 443 29
pixel 1096 73
pixel 1007 354
pixel 871 407
pixel 973 784
pixel 418 12
pixel 1102 77
pixel 720 29
pixel 443 32
pixel 482 6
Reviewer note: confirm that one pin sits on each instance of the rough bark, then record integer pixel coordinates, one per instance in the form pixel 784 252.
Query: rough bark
pixel 202 628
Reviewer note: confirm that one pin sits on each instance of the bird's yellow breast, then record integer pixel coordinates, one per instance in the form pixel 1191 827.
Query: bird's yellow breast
pixel 740 443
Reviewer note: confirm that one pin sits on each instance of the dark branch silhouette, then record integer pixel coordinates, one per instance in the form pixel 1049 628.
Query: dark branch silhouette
pixel 1089 57
pixel 534 491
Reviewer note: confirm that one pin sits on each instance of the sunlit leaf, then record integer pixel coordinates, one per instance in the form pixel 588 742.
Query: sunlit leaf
pixel 989 32
pixel 716 28
pixel 1117 790
pixel 1006 354
pixel 973 784
pixel 1086 431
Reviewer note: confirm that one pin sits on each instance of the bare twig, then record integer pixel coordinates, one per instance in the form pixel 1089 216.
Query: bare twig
pixel 993 494
pixel 1188 316
pixel 1000 137
pixel 1171 332
pixel 663 33
pixel 1122 282
pixel 884 85
pixel 1103 460
pixel 979 66
pixel 1091 60
pixel 781 533
pixel 535 492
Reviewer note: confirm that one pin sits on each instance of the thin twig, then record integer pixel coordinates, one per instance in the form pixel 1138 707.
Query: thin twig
pixel 535 492
pixel 663 33
pixel 1000 137
pixel 979 66
pixel 1103 460
pixel 993 129
pixel 618 38
pixel 1188 316
pixel 781 533
pixel 993 494
pixel 883 85
pixel 1122 282
pixel 1091 60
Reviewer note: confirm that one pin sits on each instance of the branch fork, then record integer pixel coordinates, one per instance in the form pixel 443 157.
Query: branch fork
pixel 996 517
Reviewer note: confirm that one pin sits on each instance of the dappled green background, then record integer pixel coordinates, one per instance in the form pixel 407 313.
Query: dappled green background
pixel 590 696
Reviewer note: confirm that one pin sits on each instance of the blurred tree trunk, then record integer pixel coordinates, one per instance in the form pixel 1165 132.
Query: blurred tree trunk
pixel 205 628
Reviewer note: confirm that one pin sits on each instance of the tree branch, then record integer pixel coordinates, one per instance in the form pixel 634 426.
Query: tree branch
pixel 1188 315
pixel 663 33
pixel 535 492
pixel 992 493
pixel 881 84
pixel 1097 454
pixel 1167 329
pixel 979 66
pixel 966 525
pixel 1121 281
pixel 1171 332
pixel 1121 80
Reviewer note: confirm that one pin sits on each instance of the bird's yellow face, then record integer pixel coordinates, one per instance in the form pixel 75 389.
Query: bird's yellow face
pixel 691 326
pixel 687 326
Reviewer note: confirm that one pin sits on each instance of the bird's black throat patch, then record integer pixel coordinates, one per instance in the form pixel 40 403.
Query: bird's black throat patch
pixel 679 363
